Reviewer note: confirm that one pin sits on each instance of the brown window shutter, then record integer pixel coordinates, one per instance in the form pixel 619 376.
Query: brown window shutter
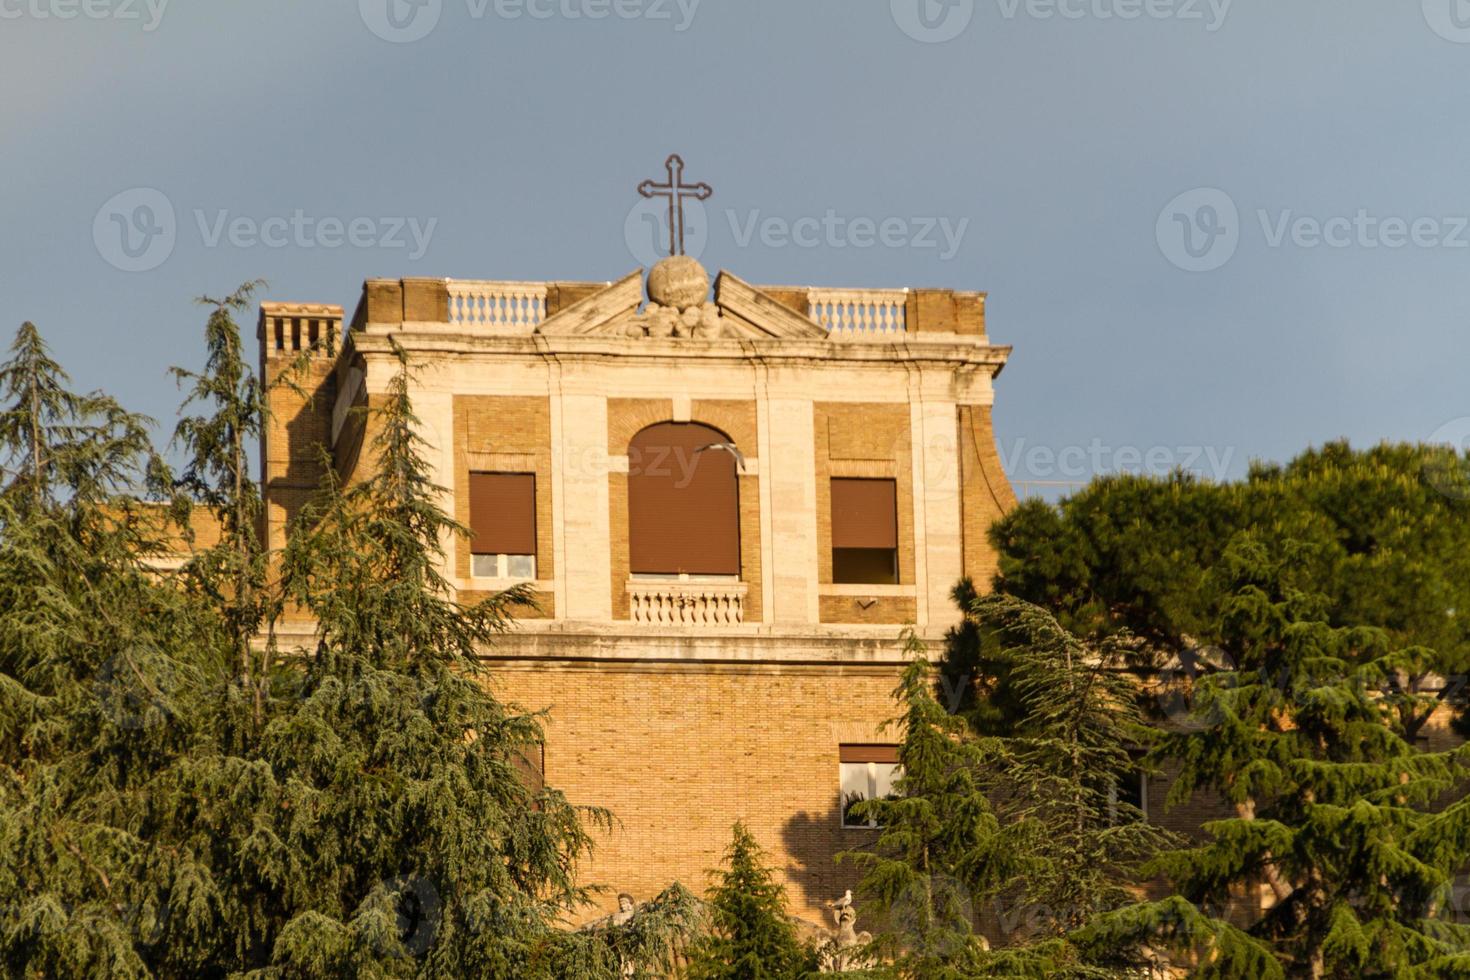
pixel 683 502
pixel 530 765
pixel 868 753
pixel 503 513
pixel 864 513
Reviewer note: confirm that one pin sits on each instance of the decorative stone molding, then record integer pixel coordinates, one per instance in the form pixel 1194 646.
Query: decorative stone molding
pixel 687 603
pixel 678 304
pixel 290 328
pixel 773 318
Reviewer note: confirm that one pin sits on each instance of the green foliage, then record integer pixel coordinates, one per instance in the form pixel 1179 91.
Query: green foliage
pixel 750 936
pixel 1335 805
pixel 178 800
pixel 57 444
pixel 941 849
pixel 1074 743
pixel 1383 537
pixel 94 658
pixel 1326 592
pixel 985 822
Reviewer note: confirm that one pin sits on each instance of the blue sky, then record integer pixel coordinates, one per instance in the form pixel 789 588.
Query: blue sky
pixel 1052 152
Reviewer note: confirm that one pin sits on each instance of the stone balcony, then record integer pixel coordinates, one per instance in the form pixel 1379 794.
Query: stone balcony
pixel 687 602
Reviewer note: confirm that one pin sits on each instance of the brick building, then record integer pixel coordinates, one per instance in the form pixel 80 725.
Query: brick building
pixel 730 503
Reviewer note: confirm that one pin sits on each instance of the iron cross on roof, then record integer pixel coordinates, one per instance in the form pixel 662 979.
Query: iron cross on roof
pixel 675 190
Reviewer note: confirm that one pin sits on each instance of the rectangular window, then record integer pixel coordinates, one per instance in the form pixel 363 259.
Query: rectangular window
pixel 521 567
pixel 503 523
pixel 865 772
pixel 864 531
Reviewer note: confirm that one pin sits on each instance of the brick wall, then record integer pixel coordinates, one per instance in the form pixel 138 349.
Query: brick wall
pixel 679 752
pixel 985 493
pixel 297 432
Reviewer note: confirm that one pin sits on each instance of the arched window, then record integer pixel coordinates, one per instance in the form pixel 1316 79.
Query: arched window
pixel 683 501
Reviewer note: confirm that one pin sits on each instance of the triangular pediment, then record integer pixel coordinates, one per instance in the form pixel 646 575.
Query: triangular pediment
pixel 763 313
pixel 604 312
pixel 738 311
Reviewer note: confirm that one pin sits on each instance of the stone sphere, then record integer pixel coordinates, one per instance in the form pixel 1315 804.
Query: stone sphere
pixel 678 281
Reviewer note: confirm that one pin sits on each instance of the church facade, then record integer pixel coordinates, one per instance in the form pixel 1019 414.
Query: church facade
pixel 730 500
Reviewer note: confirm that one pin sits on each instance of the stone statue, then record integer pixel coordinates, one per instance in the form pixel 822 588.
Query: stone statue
pixel 627 908
pixel 847 948
pixel 678 303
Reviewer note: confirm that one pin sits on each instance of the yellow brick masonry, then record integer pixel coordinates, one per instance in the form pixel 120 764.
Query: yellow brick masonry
pixel 679 752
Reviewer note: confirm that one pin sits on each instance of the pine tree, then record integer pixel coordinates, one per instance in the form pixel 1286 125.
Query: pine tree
pixel 93 698
pixel 232 574
pixel 941 850
pixel 361 813
pixel 1074 742
pixel 751 937
pixel 1335 806
pixel 396 748
pixel 1388 530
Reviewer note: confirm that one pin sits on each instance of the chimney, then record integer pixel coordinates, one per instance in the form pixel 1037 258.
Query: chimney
pixel 300 422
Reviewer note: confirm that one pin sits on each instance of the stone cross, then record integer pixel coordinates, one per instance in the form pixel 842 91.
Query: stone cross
pixel 675 190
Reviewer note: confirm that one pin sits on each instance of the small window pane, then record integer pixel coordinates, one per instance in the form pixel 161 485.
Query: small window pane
pixel 885 775
pixel 865 566
pixel 521 566
pixel 865 781
pixel 485 566
pixel 855 787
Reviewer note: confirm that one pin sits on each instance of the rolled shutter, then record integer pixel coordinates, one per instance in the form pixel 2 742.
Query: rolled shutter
pixel 683 502
pixel 503 513
pixel 864 513
pixel 868 753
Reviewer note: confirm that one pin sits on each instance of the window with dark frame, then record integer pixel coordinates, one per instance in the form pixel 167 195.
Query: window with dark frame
pixel 503 525
pixel 865 772
pixel 864 531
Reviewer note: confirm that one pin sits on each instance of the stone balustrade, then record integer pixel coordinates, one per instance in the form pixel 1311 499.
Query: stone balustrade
pixel 860 314
pixel 687 603
pixel 516 307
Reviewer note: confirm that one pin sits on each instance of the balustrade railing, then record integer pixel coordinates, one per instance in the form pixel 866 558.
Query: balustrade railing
pixel 686 603
pixel 860 314
pixel 512 306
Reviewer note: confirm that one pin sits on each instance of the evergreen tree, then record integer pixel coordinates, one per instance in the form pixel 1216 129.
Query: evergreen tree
pixel 1075 743
pixel 93 691
pixel 232 573
pixel 396 751
pixel 1334 804
pixel 1387 530
pixel 941 850
pixel 360 813
pixel 751 937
